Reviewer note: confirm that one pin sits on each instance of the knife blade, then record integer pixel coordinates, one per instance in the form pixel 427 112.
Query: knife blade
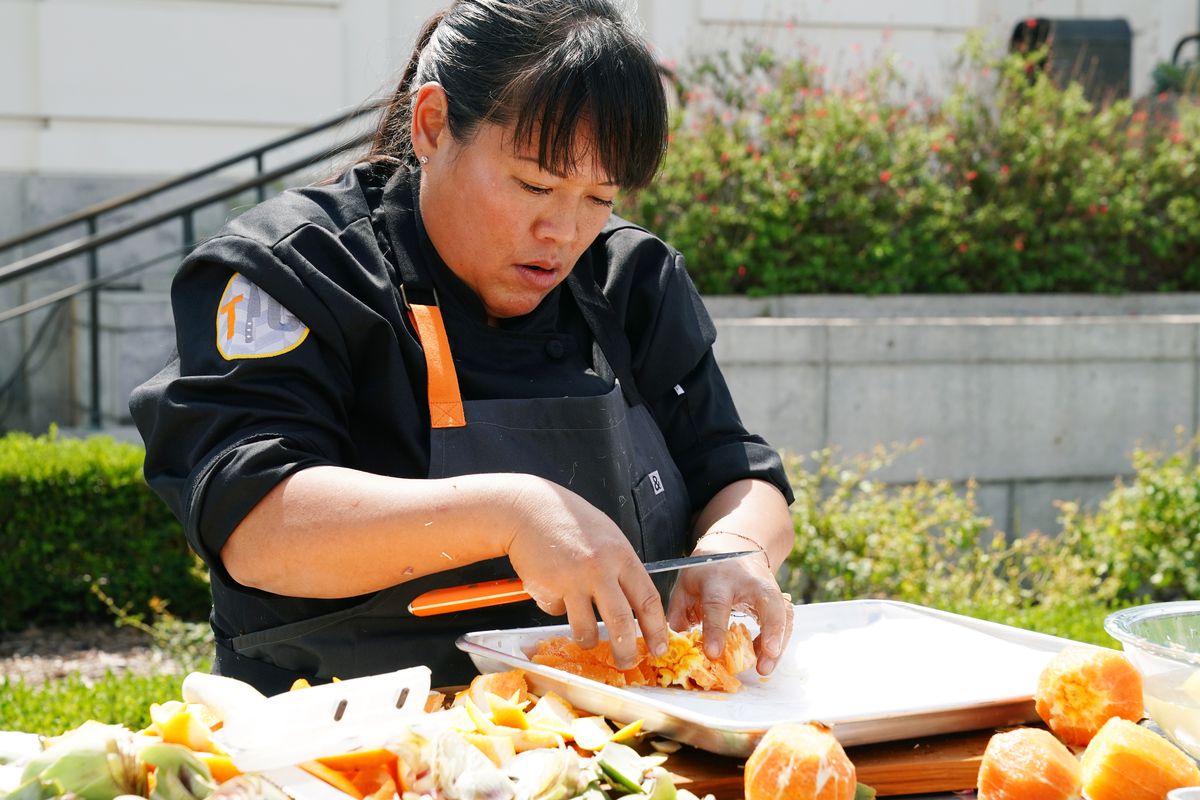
pixel 512 590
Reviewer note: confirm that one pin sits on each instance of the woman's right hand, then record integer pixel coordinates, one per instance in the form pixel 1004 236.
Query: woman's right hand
pixel 570 555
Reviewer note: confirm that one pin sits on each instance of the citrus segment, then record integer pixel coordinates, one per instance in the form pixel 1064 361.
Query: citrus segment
pixel 1028 764
pixel 1082 687
pixel 799 762
pixel 1128 762
pixel 684 664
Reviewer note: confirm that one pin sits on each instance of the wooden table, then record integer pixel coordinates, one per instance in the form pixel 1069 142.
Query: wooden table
pixel 933 765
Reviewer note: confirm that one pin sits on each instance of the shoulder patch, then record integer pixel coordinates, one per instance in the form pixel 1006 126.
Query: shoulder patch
pixel 252 324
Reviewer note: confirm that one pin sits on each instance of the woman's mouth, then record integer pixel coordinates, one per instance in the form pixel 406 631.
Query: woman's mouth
pixel 538 275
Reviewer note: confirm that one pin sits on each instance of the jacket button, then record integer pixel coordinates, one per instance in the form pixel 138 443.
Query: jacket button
pixel 554 349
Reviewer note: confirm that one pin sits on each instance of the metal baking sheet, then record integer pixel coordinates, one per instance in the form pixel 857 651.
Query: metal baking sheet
pixel 873 670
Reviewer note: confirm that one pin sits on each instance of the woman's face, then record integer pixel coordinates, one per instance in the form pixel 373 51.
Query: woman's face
pixel 508 229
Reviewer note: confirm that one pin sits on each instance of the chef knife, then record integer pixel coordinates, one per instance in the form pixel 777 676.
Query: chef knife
pixel 511 590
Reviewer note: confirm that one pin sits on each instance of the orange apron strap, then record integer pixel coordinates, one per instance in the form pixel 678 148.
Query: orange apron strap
pixel 445 402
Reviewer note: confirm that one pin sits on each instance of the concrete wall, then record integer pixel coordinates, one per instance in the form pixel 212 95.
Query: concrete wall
pixel 1037 398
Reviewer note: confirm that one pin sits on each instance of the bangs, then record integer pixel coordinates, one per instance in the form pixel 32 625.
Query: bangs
pixel 598 81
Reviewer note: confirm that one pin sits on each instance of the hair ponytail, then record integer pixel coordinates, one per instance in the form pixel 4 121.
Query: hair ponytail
pixel 392 142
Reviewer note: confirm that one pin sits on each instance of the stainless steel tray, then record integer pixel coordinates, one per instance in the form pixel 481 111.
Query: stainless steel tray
pixel 873 670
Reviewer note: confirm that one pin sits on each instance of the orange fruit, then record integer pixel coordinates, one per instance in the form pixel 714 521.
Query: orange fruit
pixel 1128 762
pixel 1082 687
pixel 799 762
pixel 1028 764
pixel 684 663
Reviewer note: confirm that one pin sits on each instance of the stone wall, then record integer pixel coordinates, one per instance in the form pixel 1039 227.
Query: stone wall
pixel 1037 398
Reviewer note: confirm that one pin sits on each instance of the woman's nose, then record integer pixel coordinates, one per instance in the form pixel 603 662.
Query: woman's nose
pixel 558 224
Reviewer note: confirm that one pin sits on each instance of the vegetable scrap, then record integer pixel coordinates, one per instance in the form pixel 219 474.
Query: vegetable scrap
pixel 494 740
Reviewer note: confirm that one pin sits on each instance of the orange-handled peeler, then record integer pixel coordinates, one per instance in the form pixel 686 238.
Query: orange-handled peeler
pixel 512 590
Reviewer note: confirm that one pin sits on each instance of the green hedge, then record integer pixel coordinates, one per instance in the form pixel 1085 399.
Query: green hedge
pixel 775 182
pixel 76 512
pixel 927 543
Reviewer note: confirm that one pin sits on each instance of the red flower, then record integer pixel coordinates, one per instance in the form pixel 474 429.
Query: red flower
pixel 724 158
pixel 1031 22
pixel 1103 209
pixel 741 270
pixel 885 176
pixel 972 175
pixel 1092 209
pixel 793 195
pixel 936 147
pixel 964 247
pixel 714 209
pixel 1004 170
pixel 1164 97
pixel 1019 244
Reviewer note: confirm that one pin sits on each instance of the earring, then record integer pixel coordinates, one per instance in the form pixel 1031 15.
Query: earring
pixel 423 159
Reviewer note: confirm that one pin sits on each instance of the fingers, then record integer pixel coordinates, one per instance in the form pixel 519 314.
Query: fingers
pixel 715 608
pixel 622 630
pixel 647 605
pixel 679 607
pixel 774 612
pixel 583 620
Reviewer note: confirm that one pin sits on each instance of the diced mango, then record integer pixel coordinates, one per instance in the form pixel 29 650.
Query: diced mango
pixel 506 712
pixel 551 713
pixel 331 776
pixel 628 732
pixel 499 748
pixel 591 733
pixel 534 739
pixel 221 766
pixel 482 722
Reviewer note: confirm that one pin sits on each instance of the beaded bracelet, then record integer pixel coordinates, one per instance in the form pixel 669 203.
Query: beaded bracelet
pixel 761 549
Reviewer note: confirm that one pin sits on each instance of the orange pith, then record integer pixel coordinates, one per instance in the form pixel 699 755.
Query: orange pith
pixel 1028 764
pixel 799 762
pixel 684 663
pixel 1128 762
pixel 1082 687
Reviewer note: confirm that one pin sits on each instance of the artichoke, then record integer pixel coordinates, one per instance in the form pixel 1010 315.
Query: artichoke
pixel 94 762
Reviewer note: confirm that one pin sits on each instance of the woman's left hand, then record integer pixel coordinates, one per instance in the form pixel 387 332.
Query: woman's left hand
pixel 709 594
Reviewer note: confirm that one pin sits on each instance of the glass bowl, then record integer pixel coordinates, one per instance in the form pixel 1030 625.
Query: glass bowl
pixel 1162 640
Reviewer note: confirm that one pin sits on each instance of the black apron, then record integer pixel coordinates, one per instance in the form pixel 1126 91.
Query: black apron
pixel 607 449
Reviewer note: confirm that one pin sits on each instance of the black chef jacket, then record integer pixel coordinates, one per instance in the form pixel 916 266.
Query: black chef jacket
pixel 220 434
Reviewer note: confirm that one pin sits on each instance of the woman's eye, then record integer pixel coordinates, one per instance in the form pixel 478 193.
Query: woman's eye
pixel 529 187
pixel 600 201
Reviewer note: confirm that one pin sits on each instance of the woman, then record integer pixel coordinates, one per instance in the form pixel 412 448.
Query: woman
pixel 455 364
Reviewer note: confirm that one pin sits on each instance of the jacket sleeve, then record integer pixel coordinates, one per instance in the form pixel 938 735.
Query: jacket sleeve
pixel 671 335
pixel 221 432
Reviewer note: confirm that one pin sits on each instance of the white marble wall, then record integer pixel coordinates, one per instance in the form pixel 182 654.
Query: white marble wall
pixel 160 86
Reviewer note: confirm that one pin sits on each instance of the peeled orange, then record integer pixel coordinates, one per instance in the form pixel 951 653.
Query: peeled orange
pixel 1128 762
pixel 799 762
pixel 1082 687
pixel 1028 764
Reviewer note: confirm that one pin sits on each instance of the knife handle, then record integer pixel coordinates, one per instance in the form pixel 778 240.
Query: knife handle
pixel 467 597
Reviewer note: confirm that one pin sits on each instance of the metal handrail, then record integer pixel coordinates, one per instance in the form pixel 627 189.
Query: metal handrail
pixel 184 211
pixel 90 213
pixel 89 243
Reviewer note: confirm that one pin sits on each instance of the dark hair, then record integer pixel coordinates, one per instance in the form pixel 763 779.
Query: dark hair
pixel 544 67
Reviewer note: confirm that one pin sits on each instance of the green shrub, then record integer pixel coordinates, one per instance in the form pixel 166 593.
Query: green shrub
pixel 1145 536
pixel 926 543
pixel 776 183
pixel 76 513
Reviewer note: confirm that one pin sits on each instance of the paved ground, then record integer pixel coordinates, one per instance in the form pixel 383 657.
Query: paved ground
pixel 36 655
